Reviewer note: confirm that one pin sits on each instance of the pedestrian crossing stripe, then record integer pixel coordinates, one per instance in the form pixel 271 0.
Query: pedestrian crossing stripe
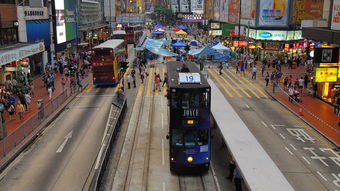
pixel 228 83
pixel 120 81
pixel 148 91
pixel 258 89
pixel 240 80
pixel 140 90
pixel 97 90
pixel 89 88
pixel 221 84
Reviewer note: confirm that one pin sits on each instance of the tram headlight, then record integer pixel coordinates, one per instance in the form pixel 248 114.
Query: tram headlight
pixel 190 159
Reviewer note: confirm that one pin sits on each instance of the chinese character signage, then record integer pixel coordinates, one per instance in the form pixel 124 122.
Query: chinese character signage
pixel 248 12
pixel 273 13
pixel 307 10
pixel 234 6
pixel 336 15
pixel 326 74
pixel 197 6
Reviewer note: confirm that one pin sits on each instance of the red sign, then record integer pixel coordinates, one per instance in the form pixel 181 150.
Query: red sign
pixel 240 43
pixel 234 7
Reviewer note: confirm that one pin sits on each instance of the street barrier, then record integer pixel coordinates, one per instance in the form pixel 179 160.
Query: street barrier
pixel 115 119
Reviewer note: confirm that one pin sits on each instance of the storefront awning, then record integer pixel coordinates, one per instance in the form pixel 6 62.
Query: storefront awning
pixel 19 51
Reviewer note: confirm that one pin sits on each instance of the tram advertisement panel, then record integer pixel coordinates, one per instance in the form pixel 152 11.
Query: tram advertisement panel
pixel 273 13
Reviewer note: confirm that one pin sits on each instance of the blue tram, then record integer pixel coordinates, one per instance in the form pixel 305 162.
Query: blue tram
pixel 189 125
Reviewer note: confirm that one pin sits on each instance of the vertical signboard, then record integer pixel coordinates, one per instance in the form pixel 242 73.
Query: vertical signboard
pixel 65 20
pixel 248 12
pixel 307 10
pixel 209 9
pixel 273 13
pixel 336 15
pixel 234 6
pixel 224 10
pixel 197 6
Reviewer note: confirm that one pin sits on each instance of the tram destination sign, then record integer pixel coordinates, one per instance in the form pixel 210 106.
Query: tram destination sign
pixel 189 78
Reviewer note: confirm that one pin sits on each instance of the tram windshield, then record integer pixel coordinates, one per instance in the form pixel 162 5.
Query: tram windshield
pixel 190 99
pixel 190 137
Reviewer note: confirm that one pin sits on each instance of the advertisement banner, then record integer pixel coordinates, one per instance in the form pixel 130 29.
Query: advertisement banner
pixel 224 10
pixel 271 35
pixel 248 12
pixel 214 25
pixel 234 6
pixel 273 13
pixel 65 20
pixel 184 6
pixel 336 15
pixel 326 55
pixel 215 32
pixel 197 6
pixel 216 10
pixel 326 74
pixel 307 10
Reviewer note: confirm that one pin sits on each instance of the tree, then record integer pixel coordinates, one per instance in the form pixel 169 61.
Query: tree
pixel 162 14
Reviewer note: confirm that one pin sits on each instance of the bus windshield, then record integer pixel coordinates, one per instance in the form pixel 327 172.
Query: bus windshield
pixel 102 52
pixel 192 99
pixel 182 137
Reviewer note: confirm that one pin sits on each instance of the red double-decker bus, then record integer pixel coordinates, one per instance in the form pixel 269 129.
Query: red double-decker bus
pixel 106 60
pixel 133 34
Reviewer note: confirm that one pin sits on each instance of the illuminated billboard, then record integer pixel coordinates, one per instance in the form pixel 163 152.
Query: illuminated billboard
pixel 326 74
pixel 273 13
pixel 66 26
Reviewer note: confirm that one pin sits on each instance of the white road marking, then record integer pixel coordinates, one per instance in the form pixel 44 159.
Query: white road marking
pixel 321 175
pixel 107 123
pixel 214 175
pixel 162 101
pixel 273 127
pixel 307 161
pixel 264 123
pixel 290 152
pixel 247 106
pixel 163 152
pixel 162 122
pixel 283 137
pixel 293 146
pixel 163 186
pixel 67 137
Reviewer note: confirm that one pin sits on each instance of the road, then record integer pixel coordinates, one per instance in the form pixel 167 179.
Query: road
pixel 308 161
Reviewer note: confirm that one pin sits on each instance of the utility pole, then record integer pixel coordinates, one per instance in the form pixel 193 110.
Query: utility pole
pixel 110 24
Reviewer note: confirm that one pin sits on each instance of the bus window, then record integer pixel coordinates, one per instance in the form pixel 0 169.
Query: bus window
pixel 202 137
pixel 177 137
pixel 102 52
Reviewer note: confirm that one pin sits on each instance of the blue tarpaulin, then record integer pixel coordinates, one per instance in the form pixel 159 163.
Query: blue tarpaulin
pixel 179 44
pixel 216 55
pixel 158 26
pixel 155 46
pixel 183 27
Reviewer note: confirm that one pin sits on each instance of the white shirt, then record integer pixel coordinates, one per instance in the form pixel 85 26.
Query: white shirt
pixel 254 69
pixel 301 82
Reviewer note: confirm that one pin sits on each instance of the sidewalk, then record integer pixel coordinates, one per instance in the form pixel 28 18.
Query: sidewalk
pixel 313 111
pixel 40 92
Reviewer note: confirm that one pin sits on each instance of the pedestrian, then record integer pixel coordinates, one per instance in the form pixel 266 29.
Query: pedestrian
pixel 11 111
pixel 28 100
pixel 263 69
pixel 49 90
pixel 79 82
pixel 301 82
pixel 165 79
pixel 133 75
pixel 306 80
pixel 231 170
pixel 128 80
pixel 20 109
pixel 285 83
pixel 290 94
pixel 220 68
pixel 142 76
pixel 267 79
pixel 253 76
pixel 238 179
pixel 242 69
pixel 63 82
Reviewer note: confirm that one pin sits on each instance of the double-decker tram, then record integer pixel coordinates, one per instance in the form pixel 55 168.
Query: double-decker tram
pixel 189 125
pixel 106 60
pixel 133 34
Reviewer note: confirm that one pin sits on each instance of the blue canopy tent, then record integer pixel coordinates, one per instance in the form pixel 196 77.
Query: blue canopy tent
pixel 155 46
pixel 158 26
pixel 157 32
pixel 216 55
pixel 179 44
pixel 183 27
pixel 194 43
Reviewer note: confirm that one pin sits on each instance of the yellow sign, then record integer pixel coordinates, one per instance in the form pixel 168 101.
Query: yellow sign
pixel 328 64
pixel 326 74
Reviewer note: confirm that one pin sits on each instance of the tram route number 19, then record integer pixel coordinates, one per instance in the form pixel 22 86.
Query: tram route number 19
pixel 189 78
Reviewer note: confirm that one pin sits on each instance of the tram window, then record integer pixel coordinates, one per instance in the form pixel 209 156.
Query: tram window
pixel 185 101
pixel 190 100
pixel 190 138
pixel 205 99
pixel 173 101
pixel 202 137
pixel 177 137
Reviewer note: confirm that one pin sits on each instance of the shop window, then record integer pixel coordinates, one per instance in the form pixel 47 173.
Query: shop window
pixel 8 36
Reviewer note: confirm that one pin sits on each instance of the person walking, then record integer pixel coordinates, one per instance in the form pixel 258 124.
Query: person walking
pixel 128 80
pixel 253 76
pixel 49 90
pixel 267 79
pixel 28 100
pixel 79 83
pixel 220 68
pixel 231 170
pixel 290 94
pixel 142 76
pixel 165 79
pixel 263 69
pixel 63 82
pixel 301 84
pixel 238 179
pixel 20 110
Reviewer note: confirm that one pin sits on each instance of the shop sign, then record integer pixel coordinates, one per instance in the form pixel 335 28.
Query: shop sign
pixel 29 13
pixel 326 74
pixel 197 6
pixel 336 85
pixel 20 53
pixel 215 32
pixel 271 35
pixel 240 43
pixel 336 15
pixel 192 18
pixel 252 33
pixel 326 55
pixel 214 25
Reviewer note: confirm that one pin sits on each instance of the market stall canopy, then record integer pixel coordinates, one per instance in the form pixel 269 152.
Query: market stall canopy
pixel 194 43
pixel 155 46
pixel 183 27
pixel 203 51
pixel 158 26
pixel 220 46
pixel 157 32
pixel 160 29
pixel 179 44
pixel 182 32
pixel 177 29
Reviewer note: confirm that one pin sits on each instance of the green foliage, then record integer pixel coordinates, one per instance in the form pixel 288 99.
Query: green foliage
pixel 162 14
